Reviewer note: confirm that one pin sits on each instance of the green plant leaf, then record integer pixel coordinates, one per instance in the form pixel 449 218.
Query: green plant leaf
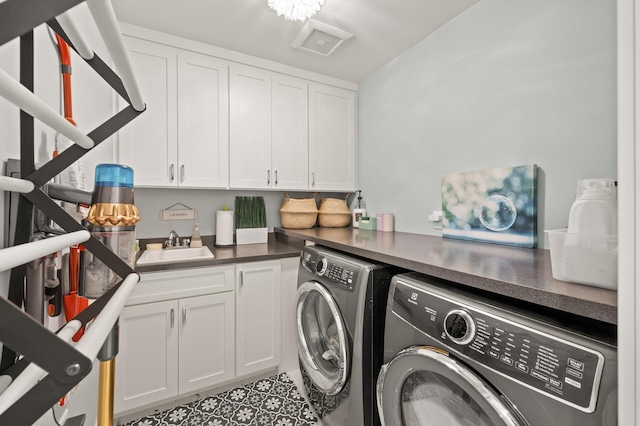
pixel 250 212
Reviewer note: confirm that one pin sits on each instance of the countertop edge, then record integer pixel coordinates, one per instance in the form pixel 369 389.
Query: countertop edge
pixel 271 250
pixel 593 309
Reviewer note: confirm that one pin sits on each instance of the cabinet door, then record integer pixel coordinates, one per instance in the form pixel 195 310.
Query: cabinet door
pixel 332 138
pixel 147 364
pixel 250 127
pixel 203 121
pixel 258 319
pixel 290 133
pixel 149 143
pixel 207 336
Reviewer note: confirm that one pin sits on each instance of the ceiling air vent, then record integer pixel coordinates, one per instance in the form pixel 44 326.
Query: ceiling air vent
pixel 320 38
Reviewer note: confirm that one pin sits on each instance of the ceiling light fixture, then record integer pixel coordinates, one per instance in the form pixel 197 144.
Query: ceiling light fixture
pixel 296 10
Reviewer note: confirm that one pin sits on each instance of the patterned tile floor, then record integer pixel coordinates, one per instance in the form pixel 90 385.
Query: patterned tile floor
pixel 274 401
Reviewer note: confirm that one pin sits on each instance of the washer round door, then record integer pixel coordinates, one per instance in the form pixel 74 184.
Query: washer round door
pixel 323 343
pixel 424 386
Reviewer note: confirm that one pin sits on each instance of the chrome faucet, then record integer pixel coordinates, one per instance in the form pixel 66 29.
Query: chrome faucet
pixel 174 240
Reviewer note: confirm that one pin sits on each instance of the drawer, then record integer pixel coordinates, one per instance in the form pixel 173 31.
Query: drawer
pixel 167 285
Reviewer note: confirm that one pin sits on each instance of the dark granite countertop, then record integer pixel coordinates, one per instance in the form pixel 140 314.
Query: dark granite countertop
pixel 518 273
pixel 273 249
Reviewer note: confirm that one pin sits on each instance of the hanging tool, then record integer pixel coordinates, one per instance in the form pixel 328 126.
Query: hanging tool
pixel 73 303
pixel 65 66
pixel 52 286
pixel 74 175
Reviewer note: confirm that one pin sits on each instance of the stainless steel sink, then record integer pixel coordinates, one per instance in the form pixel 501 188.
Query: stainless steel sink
pixel 151 257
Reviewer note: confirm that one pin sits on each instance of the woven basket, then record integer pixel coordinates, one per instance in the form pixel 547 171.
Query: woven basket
pixel 333 213
pixel 298 213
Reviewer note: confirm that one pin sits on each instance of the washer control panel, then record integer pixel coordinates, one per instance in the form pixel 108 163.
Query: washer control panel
pixel 331 270
pixel 559 368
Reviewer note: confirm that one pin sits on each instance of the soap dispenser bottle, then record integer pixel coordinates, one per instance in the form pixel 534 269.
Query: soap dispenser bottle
pixel 359 211
pixel 196 241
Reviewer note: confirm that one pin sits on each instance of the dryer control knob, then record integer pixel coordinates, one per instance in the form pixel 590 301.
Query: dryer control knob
pixel 321 267
pixel 459 326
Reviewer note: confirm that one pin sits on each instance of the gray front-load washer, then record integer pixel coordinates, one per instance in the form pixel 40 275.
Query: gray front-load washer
pixel 455 357
pixel 340 319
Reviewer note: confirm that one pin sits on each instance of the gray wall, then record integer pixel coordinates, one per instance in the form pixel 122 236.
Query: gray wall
pixel 506 83
pixel 150 201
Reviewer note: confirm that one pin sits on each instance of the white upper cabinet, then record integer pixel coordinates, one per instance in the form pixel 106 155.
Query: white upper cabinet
pixel 250 127
pixel 215 124
pixel 332 138
pixel 289 132
pixel 149 143
pixel 268 130
pixel 182 137
pixel 203 121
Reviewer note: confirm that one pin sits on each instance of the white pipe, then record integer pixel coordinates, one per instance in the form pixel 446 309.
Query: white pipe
pixel 16 185
pixel 18 255
pixel 33 373
pixel 97 332
pixel 105 18
pixel 17 94
pixel 75 36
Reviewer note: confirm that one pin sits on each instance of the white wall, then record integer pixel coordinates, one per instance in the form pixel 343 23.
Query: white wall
pixel 504 84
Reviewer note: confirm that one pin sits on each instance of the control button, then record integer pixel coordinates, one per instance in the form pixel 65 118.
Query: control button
pixel 575 364
pixel 494 354
pixel 506 360
pixel 459 326
pixel 570 381
pixel 522 367
pixel 539 376
pixel 574 373
pixel 556 383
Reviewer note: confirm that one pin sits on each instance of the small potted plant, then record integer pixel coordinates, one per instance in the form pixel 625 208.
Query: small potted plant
pixel 251 220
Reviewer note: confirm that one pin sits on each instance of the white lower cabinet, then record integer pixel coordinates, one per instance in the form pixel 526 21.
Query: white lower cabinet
pixel 187 330
pixel 177 346
pixel 258 319
pixel 147 364
pixel 206 341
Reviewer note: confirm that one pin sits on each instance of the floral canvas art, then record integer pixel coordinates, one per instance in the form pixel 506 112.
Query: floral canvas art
pixel 496 206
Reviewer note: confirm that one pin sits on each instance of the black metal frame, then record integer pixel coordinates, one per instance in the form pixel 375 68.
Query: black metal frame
pixel 64 364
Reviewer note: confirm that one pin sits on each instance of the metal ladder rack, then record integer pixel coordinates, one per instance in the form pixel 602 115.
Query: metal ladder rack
pixel 51 365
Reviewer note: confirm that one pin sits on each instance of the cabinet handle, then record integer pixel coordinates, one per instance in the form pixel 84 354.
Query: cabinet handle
pixel 182 173
pixel 184 315
pixel 313 179
pixel 173 318
pixel 276 176
pixel 241 279
pixel 268 176
pixel 171 172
